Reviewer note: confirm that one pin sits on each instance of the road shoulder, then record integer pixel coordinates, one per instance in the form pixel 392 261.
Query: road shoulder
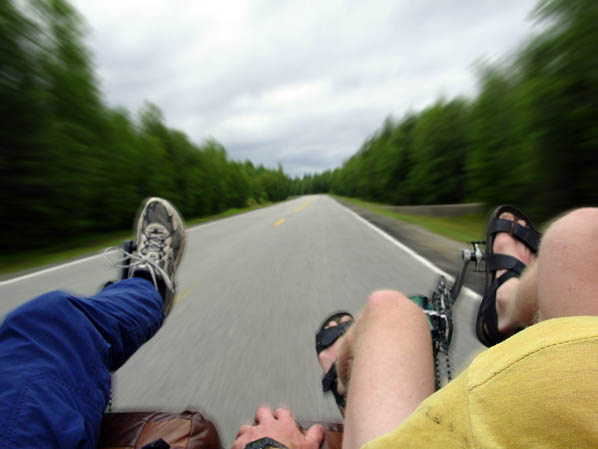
pixel 441 251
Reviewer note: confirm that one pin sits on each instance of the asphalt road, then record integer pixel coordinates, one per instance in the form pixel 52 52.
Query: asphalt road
pixel 252 291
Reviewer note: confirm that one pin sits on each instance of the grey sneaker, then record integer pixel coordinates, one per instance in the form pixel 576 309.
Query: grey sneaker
pixel 160 246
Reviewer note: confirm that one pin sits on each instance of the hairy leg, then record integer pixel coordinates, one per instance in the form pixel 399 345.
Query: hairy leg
pixel 386 362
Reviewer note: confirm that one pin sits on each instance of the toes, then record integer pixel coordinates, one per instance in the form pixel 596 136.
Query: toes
pixel 507 216
pixel 328 356
pixel 333 323
pixel 505 243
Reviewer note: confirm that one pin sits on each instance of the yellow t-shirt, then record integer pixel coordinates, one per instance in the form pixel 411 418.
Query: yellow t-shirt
pixel 537 389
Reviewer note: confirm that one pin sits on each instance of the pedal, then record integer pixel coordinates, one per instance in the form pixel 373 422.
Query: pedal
pixel 475 255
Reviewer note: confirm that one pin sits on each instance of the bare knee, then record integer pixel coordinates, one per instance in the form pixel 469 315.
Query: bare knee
pixel 571 224
pixel 389 298
pixel 572 235
pixel 387 315
pixel 392 304
pixel 567 264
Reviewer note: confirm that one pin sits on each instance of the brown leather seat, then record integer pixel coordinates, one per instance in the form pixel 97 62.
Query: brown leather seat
pixel 188 430
pixel 133 430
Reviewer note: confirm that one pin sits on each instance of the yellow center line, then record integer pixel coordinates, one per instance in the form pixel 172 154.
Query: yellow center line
pixel 303 206
pixel 178 298
pixel 299 209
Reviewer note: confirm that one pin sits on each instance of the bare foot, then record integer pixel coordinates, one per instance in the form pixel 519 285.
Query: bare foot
pixel 329 355
pixel 506 306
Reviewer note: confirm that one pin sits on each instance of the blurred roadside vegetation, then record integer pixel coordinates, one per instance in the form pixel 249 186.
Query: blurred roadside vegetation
pixel 529 137
pixel 72 167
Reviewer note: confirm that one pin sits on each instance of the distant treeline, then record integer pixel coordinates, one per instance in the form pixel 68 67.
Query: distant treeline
pixel 529 137
pixel 70 165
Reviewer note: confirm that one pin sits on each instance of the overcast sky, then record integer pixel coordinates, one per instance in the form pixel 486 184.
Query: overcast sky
pixel 300 82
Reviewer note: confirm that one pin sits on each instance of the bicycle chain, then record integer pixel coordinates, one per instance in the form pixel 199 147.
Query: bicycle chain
pixel 441 317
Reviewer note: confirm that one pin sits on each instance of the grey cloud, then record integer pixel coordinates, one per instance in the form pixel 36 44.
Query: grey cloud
pixel 237 73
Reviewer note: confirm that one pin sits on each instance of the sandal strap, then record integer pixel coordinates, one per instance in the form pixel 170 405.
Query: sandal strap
pixel 491 317
pixel 530 237
pixel 330 383
pixel 487 319
pixel 329 379
pixel 504 262
pixel 326 337
pixel 525 234
pixel 501 280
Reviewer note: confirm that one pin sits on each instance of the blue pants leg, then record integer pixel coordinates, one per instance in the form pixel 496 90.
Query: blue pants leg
pixel 56 355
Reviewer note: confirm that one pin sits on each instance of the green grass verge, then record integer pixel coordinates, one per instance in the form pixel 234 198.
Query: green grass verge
pixel 82 246
pixel 464 229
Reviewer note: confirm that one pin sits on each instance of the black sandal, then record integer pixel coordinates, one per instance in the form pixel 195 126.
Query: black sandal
pixel 325 338
pixel 487 319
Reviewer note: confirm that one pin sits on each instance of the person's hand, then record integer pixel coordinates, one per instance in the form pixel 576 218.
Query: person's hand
pixel 281 427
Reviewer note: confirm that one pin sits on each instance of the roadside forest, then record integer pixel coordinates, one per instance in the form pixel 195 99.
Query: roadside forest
pixel 528 137
pixel 71 166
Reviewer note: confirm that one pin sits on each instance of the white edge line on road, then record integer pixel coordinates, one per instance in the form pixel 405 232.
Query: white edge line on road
pixel 95 256
pixel 409 251
pixel 50 269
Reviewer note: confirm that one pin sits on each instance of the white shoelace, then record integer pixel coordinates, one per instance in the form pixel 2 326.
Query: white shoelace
pixel 135 260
